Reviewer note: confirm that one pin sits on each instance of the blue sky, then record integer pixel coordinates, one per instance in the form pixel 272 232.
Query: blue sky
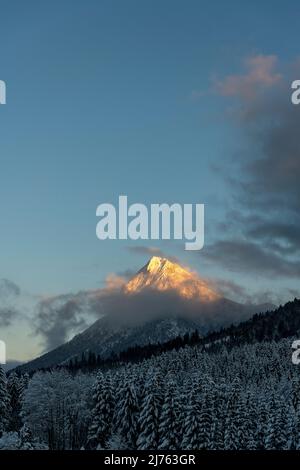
pixel 112 97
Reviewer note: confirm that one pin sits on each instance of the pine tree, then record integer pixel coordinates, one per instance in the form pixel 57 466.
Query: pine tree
pixel 295 392
pixel 206 418
pixel 26 438
pixel 262 420
pixel 191 435
pixel 233 418
pixel 218 425
pixel 149 416
pixel 126 415
pixel 284 436
pixel 100 428
pixel 24 381
pixel 169 419
pixel 275 438
pixel 249 423
pixel 270 439
pixel 296 430
pixel 15 391
pixel 4 402
pixel 296 413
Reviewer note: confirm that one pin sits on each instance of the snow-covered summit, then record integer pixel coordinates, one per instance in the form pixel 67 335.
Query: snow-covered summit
pixel 162 274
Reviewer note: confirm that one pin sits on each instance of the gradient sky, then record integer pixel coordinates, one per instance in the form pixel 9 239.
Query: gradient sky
pixel 112 97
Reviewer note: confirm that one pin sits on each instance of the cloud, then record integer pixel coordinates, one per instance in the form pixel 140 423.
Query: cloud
pixel 136 309
pixel 269 168
pixel 231 289
pixel 58 317
pixel 114 281
pixel 125 275
pixel 9 296
pixel 281 237
pixel 9 289
pixel 262 234
pixel 239 293
pixel 260 74
pixel 241 255
pixel 294 293
pixel 7 316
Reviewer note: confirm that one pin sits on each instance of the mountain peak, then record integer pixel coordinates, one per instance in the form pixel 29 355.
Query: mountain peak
pixel 157 263
pixel 162 274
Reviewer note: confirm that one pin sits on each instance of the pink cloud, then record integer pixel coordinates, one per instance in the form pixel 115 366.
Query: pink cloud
pixel 260 74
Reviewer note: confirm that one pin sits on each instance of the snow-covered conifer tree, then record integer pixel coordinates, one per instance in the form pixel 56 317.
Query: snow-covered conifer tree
pixel 149 415
pixel 249 427
pixel 15 391
pixel 169 419
pixel 274 432
pixel 191 435
pixel 233 418
pixel 218 424
pixel 101 423
pixel 206 414
pixel 126 415
pixel 26 438
pixel 4 402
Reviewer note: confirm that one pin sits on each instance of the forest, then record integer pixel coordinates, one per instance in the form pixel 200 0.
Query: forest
pixel 236 389
pixel 245 397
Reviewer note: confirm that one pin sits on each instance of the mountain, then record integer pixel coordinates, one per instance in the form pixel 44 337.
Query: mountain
pixel 167 299
pixel 162 275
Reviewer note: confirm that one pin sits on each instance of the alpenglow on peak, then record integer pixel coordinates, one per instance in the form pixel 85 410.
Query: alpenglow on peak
pixel 162 274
